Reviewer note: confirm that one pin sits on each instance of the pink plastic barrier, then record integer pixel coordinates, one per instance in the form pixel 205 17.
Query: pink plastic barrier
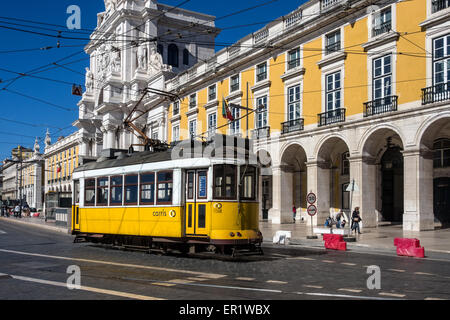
pixel 409 247
pixel 335 242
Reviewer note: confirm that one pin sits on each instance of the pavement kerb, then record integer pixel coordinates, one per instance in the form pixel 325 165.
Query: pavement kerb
pixel 35 224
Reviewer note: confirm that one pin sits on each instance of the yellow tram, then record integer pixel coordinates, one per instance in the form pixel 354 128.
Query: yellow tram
pixel 159 200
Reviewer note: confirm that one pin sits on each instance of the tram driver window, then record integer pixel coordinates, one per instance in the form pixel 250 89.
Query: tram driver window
pixel 225 182
pixel 131 189
pixel 89 192
pixel 248 183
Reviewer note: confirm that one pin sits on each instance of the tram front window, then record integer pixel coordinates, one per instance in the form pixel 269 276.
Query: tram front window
pixel 248 183
pixel 225 182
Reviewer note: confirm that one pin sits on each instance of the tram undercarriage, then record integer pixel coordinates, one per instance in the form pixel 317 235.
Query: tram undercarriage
pixel 184 246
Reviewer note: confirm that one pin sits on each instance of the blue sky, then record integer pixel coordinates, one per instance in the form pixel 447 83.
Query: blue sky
pixel 22 118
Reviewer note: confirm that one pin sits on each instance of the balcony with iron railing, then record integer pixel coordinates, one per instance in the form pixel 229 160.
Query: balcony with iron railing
pixel 331 117
pixel 438 5
pixel 261 76
pixel 332 47
pixel 261 133
pixel 436 93
pixel 234 87
pixel 328 4
pixel 293 126
pixel 378 106
pixel 382 28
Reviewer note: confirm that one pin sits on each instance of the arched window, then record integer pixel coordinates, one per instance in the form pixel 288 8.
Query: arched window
pixel 186 57
pixel 441 153
pixel 173 55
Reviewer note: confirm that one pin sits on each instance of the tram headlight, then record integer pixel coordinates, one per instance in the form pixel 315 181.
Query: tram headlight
pixel 239 234
pixel 231 234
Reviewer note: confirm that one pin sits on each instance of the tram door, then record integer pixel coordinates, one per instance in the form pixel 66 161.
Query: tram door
pixel 76 206
pixel 197 219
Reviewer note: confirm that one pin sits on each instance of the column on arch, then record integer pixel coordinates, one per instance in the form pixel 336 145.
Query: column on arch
pixel 319 175
pixel 364 171
pixel 282 195
pixel 418 192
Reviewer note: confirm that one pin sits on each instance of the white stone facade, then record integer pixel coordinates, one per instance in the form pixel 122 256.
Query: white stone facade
pixel 133 49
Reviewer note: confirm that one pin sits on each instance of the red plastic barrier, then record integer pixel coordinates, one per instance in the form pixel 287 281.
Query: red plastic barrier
pixel 406 243
pixel 332 237
pixel 409 248
pixel 335 242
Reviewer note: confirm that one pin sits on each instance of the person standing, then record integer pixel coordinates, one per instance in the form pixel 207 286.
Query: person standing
pixel 17 212
pixel 294 212
pixel 356 219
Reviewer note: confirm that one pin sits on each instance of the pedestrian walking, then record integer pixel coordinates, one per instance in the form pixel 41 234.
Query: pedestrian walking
pixel 339 216
pixel 356 219
pixel 294 212
pixel 17 213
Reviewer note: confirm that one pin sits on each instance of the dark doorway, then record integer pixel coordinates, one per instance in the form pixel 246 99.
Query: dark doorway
pixel 442 200
pixel 392 185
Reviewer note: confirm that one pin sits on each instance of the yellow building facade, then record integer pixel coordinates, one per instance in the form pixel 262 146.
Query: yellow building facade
pixel 340 94
pixel 61 159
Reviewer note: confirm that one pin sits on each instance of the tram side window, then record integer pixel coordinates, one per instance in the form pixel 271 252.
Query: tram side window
pixel 89 192
pixel 102 191
pixel 165 187
pixel 190 185
pixel 131 189
pixel 248 183
pixel 116 191
pixel 225 182
pixel 148 188
pixel 76 190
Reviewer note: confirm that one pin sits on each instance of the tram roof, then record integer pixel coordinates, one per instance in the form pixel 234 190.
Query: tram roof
pixel 135 158
pixel 119 158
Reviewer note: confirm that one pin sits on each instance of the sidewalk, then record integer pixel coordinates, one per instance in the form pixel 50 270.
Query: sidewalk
pixel 38 222
pixel 372 239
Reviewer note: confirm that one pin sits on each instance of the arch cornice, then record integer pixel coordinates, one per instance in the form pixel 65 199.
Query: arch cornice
pixel 369 132
pixel 425 125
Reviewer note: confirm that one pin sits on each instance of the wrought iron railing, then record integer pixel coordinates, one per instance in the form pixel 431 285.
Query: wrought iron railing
pixel 436 93
pixel 438 5
pixel 293 125
pixel 382 28
pixel 261 133
pixel 331 117
pixel 261 76
pixel 333 47
pixel 378 106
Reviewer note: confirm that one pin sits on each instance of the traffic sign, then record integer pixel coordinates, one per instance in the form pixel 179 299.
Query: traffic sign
pixel 311 198
pixel 312 210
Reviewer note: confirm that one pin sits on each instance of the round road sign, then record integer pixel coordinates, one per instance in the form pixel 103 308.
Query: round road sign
pixel 312 210
pixel 311 198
